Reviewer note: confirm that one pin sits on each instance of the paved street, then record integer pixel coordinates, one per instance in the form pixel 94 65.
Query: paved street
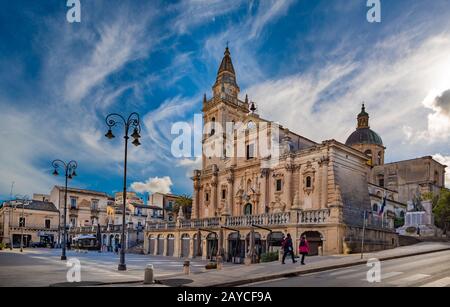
pixel 43 267
pixel 431 270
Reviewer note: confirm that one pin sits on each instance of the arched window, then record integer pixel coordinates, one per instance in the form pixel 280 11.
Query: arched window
pixel 381 180
pixel 308 182
pixel 248 209
pixel 375 208
pixel 213 126
pixel 369 153
pixel 380 158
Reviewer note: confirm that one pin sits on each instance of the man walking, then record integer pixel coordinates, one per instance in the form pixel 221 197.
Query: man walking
pixel 288 248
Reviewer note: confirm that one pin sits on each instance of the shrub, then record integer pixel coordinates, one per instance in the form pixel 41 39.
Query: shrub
pixel 269 257
pixel 2 246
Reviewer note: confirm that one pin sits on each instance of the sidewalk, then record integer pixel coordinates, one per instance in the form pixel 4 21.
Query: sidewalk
pixel 241 274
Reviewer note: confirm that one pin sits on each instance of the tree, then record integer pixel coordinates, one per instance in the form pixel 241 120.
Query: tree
pixel 441 210
pixel 185 201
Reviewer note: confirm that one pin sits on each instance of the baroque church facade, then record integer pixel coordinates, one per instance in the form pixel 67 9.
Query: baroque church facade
pixel 260 181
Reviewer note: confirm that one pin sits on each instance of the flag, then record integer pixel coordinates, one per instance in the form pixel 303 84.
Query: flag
pixel 383 206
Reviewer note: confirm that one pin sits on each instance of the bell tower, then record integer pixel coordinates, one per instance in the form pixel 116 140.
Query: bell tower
pixel 226 85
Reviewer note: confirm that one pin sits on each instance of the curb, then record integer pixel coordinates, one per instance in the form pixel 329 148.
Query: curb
pixel 316 270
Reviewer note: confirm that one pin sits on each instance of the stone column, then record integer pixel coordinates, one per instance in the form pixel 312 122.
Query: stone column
pixel 196 198
pixel 177 246
pixel 204 248
pixel 214 198
pixel 214 186
pixel 288 183
pixel 324 187
pixel 229 207
pixel 265 174
pixel 191 247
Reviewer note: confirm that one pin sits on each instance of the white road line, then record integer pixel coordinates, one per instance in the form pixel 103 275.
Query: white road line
pixel 444 282
pixel 409 279
pixel 265 281
pixel 385 276
pixel 390 275
pixel 343 272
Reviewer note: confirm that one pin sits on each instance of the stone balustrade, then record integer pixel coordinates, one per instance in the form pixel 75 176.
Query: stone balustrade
pixel 314 217
pixel 275 219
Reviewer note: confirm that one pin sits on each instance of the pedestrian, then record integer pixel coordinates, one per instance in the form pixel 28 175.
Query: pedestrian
pixel 288 248
pixel 116 249
pixel 303 249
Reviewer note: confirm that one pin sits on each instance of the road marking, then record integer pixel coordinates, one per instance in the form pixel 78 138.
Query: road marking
pixel 444 282
pixel 343 272
pixel 409 279
pixel 390 275
pixel 265 281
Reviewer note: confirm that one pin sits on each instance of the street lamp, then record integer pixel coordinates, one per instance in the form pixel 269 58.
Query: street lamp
pixel 69 172
pixel 133 122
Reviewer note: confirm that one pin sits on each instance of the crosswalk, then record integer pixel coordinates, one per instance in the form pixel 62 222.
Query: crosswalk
pixel 396 279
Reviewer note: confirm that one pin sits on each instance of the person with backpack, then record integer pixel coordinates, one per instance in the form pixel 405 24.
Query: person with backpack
pixel 303 249
pixel 288 248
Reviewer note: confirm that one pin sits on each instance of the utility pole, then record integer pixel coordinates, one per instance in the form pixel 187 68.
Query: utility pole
pixel 11 216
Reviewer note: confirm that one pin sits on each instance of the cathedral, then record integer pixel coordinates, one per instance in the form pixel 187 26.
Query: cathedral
pixel 260 181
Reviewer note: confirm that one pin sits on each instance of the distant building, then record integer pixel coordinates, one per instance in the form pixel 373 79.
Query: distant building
pixel 162 206
pixel 84 207
pixel 37 220
pixel 409 178
pixel 41 197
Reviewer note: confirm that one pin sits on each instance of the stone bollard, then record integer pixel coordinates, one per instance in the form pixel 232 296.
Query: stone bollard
pixel 320 248
pixel 187 267
pixel 148 276
pixel 219 263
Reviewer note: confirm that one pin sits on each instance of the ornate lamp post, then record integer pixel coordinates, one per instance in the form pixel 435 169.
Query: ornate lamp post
pixel 133 122
pixel 69 172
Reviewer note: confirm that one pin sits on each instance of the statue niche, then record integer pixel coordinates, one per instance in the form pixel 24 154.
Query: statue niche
pixel 277 206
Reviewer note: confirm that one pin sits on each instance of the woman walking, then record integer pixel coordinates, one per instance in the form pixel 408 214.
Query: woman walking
pixel 288 248
pixel 303 249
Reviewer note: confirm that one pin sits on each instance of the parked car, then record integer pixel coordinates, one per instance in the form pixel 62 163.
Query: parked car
pixel 39 245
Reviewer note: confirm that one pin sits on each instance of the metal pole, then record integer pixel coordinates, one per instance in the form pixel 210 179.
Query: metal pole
pixel 11 217
pixel 122 266
pixel 23 225
pixel 63 255
pixel 363 235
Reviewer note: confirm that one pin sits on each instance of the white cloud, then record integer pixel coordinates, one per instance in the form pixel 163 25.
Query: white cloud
pixel 153 185
pixel 118 43
pixel 445 160
pixel 192 13
pixel 322 103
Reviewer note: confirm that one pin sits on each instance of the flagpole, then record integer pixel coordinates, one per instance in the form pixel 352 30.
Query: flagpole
pixel 363 235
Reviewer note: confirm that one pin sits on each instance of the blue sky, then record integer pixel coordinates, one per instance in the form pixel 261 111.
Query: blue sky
pixel 307 64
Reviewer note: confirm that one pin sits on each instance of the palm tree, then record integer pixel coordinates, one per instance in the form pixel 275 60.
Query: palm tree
pixel 185 202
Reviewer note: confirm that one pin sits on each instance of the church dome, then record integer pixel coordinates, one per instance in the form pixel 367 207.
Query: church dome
pixel 364 136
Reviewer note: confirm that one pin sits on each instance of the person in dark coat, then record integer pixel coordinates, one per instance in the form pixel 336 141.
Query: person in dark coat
pixel 288 248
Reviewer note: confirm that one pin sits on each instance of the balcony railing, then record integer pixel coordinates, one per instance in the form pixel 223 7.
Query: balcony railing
pixel 314 217
pixel 35 227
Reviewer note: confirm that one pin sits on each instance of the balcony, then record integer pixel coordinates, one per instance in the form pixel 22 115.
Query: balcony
pixel 34 227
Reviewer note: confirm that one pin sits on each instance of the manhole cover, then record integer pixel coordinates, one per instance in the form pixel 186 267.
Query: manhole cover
pixel 175 282
pixel 77 284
